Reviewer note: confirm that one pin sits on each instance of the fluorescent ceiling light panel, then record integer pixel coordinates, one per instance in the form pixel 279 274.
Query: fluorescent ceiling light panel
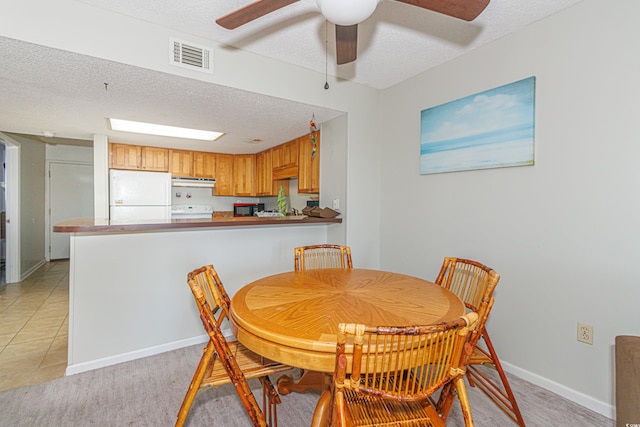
pixel 152 129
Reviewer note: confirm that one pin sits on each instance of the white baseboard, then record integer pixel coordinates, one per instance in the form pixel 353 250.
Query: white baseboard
pixel 138 354
pixel 30 271
pixel 582 399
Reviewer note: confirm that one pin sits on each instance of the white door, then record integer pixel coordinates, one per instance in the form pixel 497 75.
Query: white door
pixel 70 196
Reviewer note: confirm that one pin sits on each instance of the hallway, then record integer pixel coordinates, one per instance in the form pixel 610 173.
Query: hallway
pixel 34 315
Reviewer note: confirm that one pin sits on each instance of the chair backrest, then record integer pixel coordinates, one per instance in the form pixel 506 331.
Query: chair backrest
pixel 213 303
pixel 322 256
pixel 207 280
pixel 471 281
pixel 474 284
pixel 405 363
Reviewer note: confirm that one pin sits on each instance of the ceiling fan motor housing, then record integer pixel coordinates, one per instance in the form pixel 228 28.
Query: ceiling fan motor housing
pixel 341 12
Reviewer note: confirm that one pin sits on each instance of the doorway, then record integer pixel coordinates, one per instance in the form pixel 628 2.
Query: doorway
pixel 11 203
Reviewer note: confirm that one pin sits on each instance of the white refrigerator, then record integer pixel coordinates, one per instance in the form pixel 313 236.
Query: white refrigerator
pixel 136 195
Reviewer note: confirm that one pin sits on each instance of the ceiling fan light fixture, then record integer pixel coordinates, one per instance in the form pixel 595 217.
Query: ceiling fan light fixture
pixel 351 12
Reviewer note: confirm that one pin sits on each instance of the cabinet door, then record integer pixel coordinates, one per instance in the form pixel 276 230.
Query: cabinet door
pixel 124 156
pixel 204 164
pixel 309 163
pixel 285 160
pixel 276 156
pixel 244 169
pixel 224 175
pixel 181 162
pixel 290 153
pixel 264 169
pixel 155 159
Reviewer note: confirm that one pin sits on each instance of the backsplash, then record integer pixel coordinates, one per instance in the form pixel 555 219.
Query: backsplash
pixel 202 196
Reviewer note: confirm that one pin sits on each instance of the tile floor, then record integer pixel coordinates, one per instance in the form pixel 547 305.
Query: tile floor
pixel 34 325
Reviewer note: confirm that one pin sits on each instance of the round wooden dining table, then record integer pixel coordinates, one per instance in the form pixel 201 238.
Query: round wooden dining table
pixel 293 317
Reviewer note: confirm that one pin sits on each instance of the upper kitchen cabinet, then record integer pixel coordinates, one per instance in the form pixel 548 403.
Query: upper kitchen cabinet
pixel 135 157
pixel 204 164
pixel 155 159
pixel 224 175
pixel 181 162
pixel 244 170
pixel 122 156
pixel 265 184
pixel 284 158
pixel 264 174
pixel 309 163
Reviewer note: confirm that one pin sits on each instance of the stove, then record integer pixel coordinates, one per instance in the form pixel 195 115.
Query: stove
pixel 191 211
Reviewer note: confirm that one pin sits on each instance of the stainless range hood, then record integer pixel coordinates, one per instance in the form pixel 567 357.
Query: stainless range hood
pixel 188 181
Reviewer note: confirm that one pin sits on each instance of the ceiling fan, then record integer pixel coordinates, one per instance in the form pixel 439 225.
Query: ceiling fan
pixel 346 14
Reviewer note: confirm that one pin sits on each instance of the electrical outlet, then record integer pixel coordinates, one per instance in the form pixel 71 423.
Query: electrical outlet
pixel 585 333
pixel 336 204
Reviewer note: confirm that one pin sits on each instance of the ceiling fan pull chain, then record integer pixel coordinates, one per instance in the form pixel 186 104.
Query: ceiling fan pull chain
pixel 326 54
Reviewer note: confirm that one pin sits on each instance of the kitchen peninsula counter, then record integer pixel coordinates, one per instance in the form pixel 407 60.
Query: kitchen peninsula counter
pixel 128 292
pixel 89 225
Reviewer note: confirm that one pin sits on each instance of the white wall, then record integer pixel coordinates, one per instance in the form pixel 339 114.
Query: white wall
pixel 564 233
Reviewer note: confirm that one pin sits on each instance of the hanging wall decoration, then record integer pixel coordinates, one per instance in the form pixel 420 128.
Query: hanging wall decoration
pixel 491 129
pixel 313 128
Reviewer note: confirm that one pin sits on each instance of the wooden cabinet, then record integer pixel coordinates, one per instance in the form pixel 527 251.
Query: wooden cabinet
pixel 309 163
pixel 155 159
pixel 244 170
pixel 224 175
pixel 265 184
pixel 259 174
pixel 123 156
pixel 264 174
pixel 135 157
pixel 181 162
pixel 204 164
pixel 285 160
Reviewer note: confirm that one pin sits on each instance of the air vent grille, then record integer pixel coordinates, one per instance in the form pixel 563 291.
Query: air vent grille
pixel 190 55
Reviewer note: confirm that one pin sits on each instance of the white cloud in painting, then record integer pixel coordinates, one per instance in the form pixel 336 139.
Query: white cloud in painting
pixel 477 114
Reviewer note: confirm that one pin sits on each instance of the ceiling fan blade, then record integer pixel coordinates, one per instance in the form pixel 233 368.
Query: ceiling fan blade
pixel 250 12
pixel 467 10
pixel 346 43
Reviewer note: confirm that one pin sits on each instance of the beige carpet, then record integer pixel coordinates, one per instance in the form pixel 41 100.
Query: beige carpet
pixel 148 392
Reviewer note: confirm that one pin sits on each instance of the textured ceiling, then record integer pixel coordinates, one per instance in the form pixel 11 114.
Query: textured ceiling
pixel 397 42
pixel 71 100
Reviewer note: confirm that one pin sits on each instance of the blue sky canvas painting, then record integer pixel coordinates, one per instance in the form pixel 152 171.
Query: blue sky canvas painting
pixel 491 129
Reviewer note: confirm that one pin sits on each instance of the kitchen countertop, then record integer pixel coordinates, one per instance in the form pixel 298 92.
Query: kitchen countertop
pixel 91 225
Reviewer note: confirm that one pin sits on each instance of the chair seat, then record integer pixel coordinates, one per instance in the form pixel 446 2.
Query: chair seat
pixel 480 357
pixel 367 410
pixel 251 364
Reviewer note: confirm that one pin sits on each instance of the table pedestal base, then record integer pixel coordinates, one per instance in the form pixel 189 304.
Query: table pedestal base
pixel 309 381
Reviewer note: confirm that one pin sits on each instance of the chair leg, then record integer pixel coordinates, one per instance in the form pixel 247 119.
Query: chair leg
pixel 198 376
pixel 270 398
pixel 503 398
pixel 445 401
pixel 464 402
